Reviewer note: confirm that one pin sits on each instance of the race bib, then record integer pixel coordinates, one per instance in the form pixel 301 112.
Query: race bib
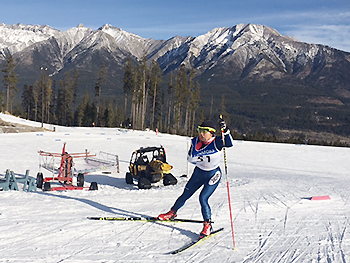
pixel 215 178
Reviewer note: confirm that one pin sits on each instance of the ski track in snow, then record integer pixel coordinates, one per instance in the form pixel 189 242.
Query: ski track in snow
pixel 270 184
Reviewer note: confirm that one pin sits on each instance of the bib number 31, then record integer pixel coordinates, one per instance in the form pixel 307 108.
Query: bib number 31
pixel 204 158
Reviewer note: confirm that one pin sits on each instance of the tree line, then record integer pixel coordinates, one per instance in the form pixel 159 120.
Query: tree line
pixel 148 102
pixel 168 103
pixel 171 108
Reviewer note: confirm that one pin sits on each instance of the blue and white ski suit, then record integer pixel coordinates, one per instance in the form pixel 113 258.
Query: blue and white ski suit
pixel 207 172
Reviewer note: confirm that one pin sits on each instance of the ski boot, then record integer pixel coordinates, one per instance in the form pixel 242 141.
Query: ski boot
pixel 167 216
pixel 207 228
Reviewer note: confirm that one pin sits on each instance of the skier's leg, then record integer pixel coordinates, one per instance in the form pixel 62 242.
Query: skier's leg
pixel 206 192
pixel 191 187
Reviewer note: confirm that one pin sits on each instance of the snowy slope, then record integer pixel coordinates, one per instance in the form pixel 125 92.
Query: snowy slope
pixel 274 220
pixel 15 38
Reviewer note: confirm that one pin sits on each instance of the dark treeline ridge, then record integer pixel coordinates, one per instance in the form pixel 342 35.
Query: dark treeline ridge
pixel 171 104
pixel 299 139
pixel 169 108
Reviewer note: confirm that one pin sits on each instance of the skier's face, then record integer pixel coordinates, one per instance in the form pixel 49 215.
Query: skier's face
pixel 205 136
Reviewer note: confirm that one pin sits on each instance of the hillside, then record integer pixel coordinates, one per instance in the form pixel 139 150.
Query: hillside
pixel 271 187
pixel 270 81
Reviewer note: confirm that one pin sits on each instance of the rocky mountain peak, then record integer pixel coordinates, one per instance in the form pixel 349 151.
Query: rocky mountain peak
pixel 242 52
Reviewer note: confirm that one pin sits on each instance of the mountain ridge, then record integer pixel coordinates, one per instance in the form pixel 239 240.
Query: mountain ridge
pixel 246 62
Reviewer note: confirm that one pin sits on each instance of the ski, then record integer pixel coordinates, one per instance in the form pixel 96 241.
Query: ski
pixel 145 219
pixel 195 242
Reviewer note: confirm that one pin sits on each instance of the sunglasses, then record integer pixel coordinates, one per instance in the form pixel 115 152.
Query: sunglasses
pixel 205 129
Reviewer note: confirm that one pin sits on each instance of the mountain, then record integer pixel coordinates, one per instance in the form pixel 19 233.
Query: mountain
pixel 15 38
pixel 267 79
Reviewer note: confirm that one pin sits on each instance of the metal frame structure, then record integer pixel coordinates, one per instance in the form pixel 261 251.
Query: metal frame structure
pixel 65 170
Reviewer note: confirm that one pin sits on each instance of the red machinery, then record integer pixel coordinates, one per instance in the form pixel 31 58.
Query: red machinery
pixel 65 171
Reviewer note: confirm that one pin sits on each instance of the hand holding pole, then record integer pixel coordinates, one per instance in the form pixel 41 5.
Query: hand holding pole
pixel 223 127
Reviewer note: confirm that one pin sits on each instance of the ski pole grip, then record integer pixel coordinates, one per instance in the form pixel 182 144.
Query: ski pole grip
pixel 222 133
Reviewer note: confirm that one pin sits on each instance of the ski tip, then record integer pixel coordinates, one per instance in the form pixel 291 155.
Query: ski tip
pixel 95 218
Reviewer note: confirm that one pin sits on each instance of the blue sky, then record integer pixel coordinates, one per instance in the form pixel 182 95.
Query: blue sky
pixel 314 21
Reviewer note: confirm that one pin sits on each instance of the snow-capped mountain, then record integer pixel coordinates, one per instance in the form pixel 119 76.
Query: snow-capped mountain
pixel 245 53
pixel 288 82
pixel 134 44
pixel 253 50
pixel 15 38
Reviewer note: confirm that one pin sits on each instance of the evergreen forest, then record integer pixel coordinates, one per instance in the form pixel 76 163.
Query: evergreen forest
pixel 170 103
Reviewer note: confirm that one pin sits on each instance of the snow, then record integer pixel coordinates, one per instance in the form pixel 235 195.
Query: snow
pixel 270 184
pixel 18 37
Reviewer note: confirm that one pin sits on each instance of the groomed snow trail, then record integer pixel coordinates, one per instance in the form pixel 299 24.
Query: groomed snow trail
pixel 271 186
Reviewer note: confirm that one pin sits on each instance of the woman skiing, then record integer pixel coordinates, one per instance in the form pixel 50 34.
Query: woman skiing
pixel 205 153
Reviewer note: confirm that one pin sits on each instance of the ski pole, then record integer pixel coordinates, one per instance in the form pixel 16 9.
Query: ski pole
pixel 228 187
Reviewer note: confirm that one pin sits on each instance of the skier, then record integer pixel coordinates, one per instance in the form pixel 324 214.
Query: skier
pixel 205 153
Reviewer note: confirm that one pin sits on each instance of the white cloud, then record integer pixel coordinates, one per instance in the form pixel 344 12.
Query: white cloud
pixel 327 27
pixel 336 36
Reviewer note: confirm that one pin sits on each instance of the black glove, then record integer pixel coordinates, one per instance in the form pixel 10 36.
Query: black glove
pixel 223 125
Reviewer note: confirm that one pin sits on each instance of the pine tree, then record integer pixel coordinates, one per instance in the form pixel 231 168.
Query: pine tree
pixel 2 100
pixel 60 109
pixel 101 118
pixel 53 105
pixel 110 116
pixel 100 81
pixel 9 80
pixel 189 100
pixel 155 79
pixel 48 99
pixel 75 84
pixel 170 101
pixel 223 109
pixel 195 99
pixel 120 116
pixel 36 99
pixel 181 95
pixel 68 98
pixel 135 97
pixel 79 113
pixel 89 115
pixel 65 96
pixel 45 91
pixel 128 81
pixel 144 77
pixel 28 101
